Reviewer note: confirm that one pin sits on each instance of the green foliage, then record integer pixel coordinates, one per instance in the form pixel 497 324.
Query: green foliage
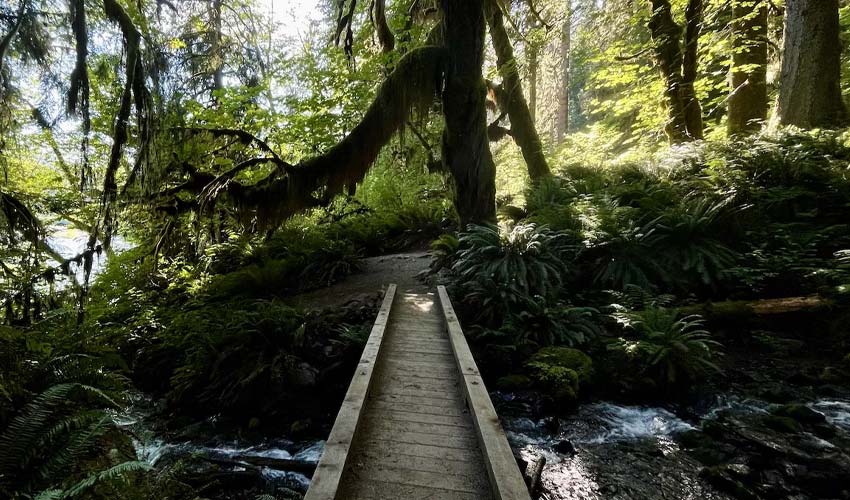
pixel 532 321
pixel 527 258
pixel 673 351
pixel 444 251
pixel 52 440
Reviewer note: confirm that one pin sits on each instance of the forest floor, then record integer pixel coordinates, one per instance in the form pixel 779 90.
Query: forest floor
pixel 374 276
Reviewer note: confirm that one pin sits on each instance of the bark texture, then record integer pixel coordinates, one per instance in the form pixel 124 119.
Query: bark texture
pixel 379 18
pixel 748 78
pixel 513 101
pixel 690 63
pixel 810 90
pixel 466 148
pixel 678 68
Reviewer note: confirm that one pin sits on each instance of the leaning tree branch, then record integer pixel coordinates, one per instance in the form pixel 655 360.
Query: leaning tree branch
pixel 410 89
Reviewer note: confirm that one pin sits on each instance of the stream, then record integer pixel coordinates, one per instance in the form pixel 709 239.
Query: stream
pixel 611 451
pixel 601 451
pixel 200 450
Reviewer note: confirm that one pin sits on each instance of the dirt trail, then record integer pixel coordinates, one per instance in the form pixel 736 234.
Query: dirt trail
pixel 375 275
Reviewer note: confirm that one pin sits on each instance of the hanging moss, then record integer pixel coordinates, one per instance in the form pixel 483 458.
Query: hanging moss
pixel 408 91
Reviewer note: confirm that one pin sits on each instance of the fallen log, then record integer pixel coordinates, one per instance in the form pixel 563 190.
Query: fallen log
pixel 761 307
pixel 252 461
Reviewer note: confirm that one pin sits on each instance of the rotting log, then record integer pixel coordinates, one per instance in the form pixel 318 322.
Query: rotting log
pixel 761 307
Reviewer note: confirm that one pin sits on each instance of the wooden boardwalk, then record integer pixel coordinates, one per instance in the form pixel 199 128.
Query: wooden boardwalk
pixel 417 422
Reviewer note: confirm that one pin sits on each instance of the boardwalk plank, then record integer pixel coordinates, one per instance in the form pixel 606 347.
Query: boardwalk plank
pixel 417 439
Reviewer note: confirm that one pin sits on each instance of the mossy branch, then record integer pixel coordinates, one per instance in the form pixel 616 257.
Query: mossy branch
pixel 410 89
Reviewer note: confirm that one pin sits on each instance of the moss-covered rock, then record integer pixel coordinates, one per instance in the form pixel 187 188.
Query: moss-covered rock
pixel 560 372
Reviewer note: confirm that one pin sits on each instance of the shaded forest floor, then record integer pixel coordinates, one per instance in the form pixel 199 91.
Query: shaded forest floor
pixel 374 276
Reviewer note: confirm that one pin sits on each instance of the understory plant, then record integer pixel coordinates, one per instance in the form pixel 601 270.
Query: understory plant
pixel 64 441
pixel 671 350
pixel 530 259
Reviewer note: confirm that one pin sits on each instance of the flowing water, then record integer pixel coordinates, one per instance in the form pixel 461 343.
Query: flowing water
pixel 612 451
pixel 161 452
pixel 602 451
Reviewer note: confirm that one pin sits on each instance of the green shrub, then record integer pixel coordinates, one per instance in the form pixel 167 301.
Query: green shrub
pixel 528 258
pixel 670 350
pixel 58 442
pixel 532 321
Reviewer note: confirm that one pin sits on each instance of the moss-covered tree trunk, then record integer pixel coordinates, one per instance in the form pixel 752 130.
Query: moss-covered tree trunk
pixel 466 148
pixel 748 79
pixel 690 63
pixel 678 68
pixel 810 90
pixel 513 101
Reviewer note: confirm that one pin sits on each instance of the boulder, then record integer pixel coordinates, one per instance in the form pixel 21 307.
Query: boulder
pixel 559 372
pixel 727 478
pixel 565 447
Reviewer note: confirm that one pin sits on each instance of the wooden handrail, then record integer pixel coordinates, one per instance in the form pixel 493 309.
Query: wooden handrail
pixel 505 478
pixel 326 479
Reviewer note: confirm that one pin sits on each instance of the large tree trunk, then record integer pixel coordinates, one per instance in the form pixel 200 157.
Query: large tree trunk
pixel 748 93
pixel 690 62
pixel 668 55
pixel 562 119
pixel 513 101
pixel 810 91
pixel 466 148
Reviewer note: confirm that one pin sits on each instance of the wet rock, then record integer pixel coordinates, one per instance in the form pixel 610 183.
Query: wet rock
pixel 782 424
pixel 832 391
pixel 832 375
pixel 827 477
pixel 824 431
pixel 726 478
pixel 800 413
pixel 694 439
pixel 565 447
pixel 777 394
pixel 552 425
pixel 802 377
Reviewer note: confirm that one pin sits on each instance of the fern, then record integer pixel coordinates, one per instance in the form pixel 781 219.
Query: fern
pixel 673 350
pixel 62 427
pixel 119 471
pixel 528 258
